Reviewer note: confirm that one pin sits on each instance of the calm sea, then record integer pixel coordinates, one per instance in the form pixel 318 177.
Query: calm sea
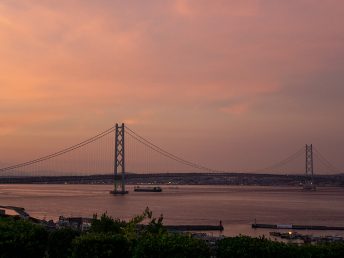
pixel 236 206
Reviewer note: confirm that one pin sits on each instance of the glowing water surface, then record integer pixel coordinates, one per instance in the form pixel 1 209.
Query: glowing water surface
pixel 236 206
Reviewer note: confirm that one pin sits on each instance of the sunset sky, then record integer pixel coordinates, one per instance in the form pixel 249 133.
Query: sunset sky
pixel 229 84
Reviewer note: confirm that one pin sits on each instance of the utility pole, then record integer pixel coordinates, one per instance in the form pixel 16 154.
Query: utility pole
pixel 119 162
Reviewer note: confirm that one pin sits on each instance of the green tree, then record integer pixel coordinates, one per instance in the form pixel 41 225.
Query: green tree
pixel 244 246
pixel 135 227
pixel 325 250
pixel 101 245
pixel 20 238
pixel 106 224
pixel 167 245
pixel 60 242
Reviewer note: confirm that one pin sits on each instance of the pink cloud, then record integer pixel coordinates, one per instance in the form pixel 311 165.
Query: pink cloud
pixel 165 62
pixel 194 8
pixel 237 109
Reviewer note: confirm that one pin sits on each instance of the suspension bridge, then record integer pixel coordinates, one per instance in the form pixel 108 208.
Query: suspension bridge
pixel 120 150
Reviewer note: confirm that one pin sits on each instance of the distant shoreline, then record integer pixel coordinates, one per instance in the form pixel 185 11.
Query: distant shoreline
pixel 184 179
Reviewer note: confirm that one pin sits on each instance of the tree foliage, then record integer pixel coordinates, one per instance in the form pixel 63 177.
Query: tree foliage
pixel 60 242
pixel 106 224
pixel 244 246
pixel 169 245
pixel 20 238
pixel 101 245
pixel 143 236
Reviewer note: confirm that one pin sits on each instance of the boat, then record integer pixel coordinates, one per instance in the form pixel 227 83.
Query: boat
pixel 147 189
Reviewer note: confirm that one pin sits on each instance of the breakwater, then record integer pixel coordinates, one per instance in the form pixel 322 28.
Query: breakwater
pixel 194 227
pixel 299 227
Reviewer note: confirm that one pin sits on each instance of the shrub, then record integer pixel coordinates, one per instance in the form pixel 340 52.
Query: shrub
pixel 20 238
pixel 326 250
pixel 170 246
pixel 243 246
pixel 60 242
pixel 106 224
pixel 100 245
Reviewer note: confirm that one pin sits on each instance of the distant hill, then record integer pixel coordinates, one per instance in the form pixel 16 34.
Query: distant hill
pixel 184 179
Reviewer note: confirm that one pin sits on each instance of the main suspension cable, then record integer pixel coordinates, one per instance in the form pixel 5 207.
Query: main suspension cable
pixel 61 152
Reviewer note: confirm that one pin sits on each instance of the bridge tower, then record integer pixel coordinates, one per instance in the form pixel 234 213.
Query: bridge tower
pixel 119 162
pixel 309 184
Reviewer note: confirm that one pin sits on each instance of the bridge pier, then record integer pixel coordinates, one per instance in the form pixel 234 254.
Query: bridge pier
pixel 309 183
pixel 119 163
